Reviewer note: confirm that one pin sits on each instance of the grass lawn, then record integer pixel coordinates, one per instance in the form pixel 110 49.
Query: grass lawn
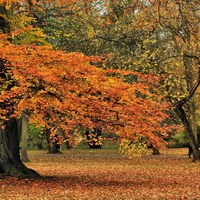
pixel 107 177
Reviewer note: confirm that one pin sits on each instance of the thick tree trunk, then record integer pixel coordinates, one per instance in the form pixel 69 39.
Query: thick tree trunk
pixel 10 163
pixel 186 122
pixel 193 119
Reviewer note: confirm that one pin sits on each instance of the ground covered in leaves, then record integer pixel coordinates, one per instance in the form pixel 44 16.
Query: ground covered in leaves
pixel 149 177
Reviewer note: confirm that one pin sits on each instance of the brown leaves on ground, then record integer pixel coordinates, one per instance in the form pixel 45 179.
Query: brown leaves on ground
pixel 107 178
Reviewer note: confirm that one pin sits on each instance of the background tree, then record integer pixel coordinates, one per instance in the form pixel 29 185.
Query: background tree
pixel 159 37
pixel 24 135
pixel 175 23
pixel 36 137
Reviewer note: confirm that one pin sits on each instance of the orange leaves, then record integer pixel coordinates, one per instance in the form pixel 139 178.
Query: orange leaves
pixel 65 90
pixel 7 3
pixel 14 33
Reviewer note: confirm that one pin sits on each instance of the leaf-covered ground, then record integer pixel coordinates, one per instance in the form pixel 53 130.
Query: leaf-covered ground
pixel 108 178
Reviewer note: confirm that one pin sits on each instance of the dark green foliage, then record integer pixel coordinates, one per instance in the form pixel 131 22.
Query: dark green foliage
pixel 36 138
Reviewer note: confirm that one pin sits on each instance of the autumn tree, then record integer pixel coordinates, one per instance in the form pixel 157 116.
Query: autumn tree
pixel 173 51
pixel 60 90
pixel 71 91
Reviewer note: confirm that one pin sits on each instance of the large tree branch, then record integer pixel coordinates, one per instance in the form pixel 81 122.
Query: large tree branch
pixel 192 91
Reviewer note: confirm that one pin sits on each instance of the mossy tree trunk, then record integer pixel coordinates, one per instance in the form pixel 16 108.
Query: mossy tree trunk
pixel 23 144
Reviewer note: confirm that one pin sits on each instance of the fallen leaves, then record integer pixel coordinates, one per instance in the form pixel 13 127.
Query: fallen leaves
pixel 107 178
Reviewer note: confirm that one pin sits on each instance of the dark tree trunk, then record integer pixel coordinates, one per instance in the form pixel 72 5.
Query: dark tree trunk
pixel 52 143
pixel 10 163
pixel 190 151
pixel 193 142
pixel 93 138
pixel 156 151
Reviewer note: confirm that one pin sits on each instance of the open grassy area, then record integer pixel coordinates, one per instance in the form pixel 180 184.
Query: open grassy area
pixel 107 178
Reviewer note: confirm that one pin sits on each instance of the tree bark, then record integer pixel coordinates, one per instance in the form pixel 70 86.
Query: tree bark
pixel 10 163
pixel 24 155
pixel 52 142
pixel 156 151
pixel 193 142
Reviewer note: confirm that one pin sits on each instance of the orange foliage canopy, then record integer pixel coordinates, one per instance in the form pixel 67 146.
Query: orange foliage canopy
pixel 36 1
pixel 64 90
